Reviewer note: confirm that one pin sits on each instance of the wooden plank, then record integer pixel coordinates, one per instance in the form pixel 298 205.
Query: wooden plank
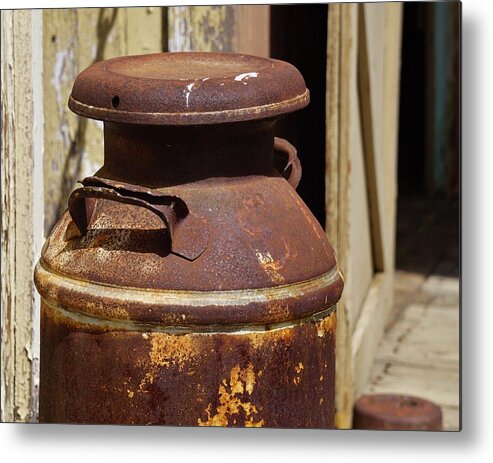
pixel 22 219
pixel 390 124
pixel 227 28
pixel 8 218
pixel 420 354
pixel 143 30
pixel 451 418
pixel 201 28
pixel 443 286
pixel 368 331
pixel 332 199
pixel 440 385
pixel 73 40
pixel 376 309
pixel 365 87
pixel 409 339
pixel 252 28
pixel 360 263
pixel 332 117
pixel 367 299
pixel 343 43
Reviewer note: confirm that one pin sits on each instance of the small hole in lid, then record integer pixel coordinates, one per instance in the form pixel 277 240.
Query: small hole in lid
pixel 115 101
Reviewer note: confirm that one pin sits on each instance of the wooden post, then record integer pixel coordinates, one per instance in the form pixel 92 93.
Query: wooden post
pixel 22 209
pixel 363 57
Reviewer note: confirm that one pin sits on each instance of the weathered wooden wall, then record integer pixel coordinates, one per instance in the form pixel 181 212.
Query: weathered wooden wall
pixel 237 28
pixel 363 65
pixel 22 209
pixel 73 39
pixel 45 150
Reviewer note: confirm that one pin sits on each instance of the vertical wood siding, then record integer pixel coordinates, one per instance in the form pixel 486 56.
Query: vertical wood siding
pixel 73 39
pixel 362 103
pixel 45 150
pixel 22 217
pixel 226 28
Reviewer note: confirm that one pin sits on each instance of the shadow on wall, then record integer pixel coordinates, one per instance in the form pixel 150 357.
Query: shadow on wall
pixel 73 161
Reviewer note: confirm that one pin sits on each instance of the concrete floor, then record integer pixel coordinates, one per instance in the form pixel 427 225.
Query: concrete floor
pixel 419 354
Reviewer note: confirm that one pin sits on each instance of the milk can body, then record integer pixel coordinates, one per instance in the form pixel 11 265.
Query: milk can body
pixel 187 283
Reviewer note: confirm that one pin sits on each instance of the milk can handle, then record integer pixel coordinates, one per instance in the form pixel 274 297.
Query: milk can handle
pixel 188 232
pixel 292 170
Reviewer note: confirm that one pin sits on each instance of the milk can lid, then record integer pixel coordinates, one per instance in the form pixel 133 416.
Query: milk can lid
pixel 188 88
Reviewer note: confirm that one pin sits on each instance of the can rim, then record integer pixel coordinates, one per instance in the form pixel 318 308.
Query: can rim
pixel 183 308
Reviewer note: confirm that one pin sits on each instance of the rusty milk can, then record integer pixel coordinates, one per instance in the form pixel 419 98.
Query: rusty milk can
pixel 188 283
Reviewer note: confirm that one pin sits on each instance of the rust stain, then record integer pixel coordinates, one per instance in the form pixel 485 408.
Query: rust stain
pixel 298 368
pixel 230 405
pixel 170 350
pixel 326 325
pixel 167 351
pixel 259 340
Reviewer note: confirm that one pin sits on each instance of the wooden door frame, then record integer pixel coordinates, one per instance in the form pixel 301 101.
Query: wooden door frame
pixel 348 62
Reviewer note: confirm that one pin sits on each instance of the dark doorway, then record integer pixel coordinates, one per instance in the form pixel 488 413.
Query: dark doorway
pixel 299 36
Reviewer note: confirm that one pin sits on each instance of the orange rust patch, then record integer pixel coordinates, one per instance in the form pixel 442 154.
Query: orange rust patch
pixel 258 340
pixel 298 368
pixel 167 351
pixel 241 381
pixel 326 325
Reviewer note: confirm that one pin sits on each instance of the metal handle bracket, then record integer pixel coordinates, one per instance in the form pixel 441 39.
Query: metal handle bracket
pixel 188 232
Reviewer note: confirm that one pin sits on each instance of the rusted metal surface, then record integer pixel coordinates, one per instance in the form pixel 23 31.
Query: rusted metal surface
pixel 396 412
pixel 188 284
pixel 274 378
pixel 188 89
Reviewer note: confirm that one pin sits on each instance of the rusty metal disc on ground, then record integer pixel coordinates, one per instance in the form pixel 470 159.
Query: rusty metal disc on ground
pixel 396 412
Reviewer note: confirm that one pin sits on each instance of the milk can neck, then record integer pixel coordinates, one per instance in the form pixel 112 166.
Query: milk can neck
pixel 160 156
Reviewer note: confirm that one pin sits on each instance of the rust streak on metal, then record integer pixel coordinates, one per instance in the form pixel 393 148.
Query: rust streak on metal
pixel 231 403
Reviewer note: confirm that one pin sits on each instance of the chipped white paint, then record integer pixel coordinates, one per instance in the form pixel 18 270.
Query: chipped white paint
pixel 179 39
pixel 22 209
pixel 58 73
pixel 37 193
pixel 35 117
